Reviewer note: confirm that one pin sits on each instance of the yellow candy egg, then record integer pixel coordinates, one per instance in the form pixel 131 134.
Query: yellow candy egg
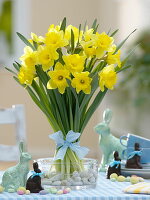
pixel 1 189
pixel 113 175
pixel 134 179
pixel 121 178
pixel 27 192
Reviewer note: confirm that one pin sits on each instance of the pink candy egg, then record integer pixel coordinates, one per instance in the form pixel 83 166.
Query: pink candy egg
pixel 20 192
pixel 65 191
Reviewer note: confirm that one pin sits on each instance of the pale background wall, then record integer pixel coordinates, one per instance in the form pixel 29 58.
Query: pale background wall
pixel 41 14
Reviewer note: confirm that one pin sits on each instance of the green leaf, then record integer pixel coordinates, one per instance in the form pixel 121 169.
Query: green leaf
pixel 96 28
pixel 63 24
pixel 108 31
pixel 35 45
pixel 124 68
pixel 94 24
pixel 72 41
pixel 70 107
pixel 79 34
pixel 16 66
pixel 8 69
pixel 99 97
pixel 114 33
pixel 85 24
pixel 128 56
pixel 122 43
pixel 25 40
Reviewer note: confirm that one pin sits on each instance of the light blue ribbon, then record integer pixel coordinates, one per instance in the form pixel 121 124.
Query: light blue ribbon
pixel 63 145
pixel 36 174
pixel 132 154
pixel 115 162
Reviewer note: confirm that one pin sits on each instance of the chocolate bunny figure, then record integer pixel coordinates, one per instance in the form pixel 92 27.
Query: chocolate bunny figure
pixel 134 157
pixel 34 181
pixel 115 166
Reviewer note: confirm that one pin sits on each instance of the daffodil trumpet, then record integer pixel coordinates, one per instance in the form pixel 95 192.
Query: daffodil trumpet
pixel 62 71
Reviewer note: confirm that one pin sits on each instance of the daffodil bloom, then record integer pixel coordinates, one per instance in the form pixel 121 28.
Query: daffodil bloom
pixel 82 81
pixel 88 34
pixel 29 58
pixel 89 48
pixel 26 74
pixel 55 39
pixel 58 78
pixel 107 77
pixel 76 33
pixel 74 63
pixel 46 57
pixel 103 43
pixel 38 39
pixel 114 58
pixel 52 27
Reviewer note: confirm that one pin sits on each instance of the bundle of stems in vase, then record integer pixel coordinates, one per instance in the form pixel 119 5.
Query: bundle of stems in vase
pixel 62 71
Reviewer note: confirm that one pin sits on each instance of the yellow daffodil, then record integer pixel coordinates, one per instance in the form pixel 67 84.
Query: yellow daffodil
pixel 74 63
pixel 52 27
pixel 38 39
pixel 46 57
pixel 114 59
pixel 55 39
pixel 29 58
pixel 89 48
pixel 75 32
pixel 58 78
pixel 88 34
pixel 107 77
pixel 103 43
pixel 82 81
pixel 26 75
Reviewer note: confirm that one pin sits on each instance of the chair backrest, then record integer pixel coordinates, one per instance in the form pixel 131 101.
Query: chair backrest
pixel 14 115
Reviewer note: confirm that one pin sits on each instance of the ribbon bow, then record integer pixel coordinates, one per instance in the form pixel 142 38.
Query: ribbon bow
pixel 138 153
pixel 63 145
pixel 36 174
pixel 115 162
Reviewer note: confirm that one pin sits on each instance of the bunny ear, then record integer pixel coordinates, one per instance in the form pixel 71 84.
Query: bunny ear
pixel 21 147
pixel 107 116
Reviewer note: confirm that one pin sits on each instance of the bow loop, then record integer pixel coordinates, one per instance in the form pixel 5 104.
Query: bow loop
pixel 70 142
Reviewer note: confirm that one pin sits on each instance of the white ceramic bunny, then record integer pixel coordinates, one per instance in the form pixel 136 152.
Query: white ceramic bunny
pixel 107 142
pixel 16 176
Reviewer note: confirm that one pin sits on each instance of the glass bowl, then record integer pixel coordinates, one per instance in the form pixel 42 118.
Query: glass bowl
pixel 79 179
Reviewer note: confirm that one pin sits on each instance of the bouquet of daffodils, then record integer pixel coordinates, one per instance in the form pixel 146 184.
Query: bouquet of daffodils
pixel 62 72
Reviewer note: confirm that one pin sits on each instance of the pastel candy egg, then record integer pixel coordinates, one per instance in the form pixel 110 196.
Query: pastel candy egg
pixel 11 190
pixel 22 189
pixel 141 179
pixel 20 192
pixel 127 179
pixel 53 190
pixel 59 192
pixel 134 179
pixel 27 192
pixel 121 178
pixel 1 189
pixel 114 175
pixel 68 189
pixel 65 191
pixel 43 192
pixel 113 179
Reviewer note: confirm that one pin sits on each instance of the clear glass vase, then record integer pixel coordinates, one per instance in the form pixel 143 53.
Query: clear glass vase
pixel 77 179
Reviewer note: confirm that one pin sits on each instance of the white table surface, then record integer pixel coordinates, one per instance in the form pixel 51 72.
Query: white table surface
pixel 105 190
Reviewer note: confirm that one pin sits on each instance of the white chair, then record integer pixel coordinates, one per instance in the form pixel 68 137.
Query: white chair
pixel 14 115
